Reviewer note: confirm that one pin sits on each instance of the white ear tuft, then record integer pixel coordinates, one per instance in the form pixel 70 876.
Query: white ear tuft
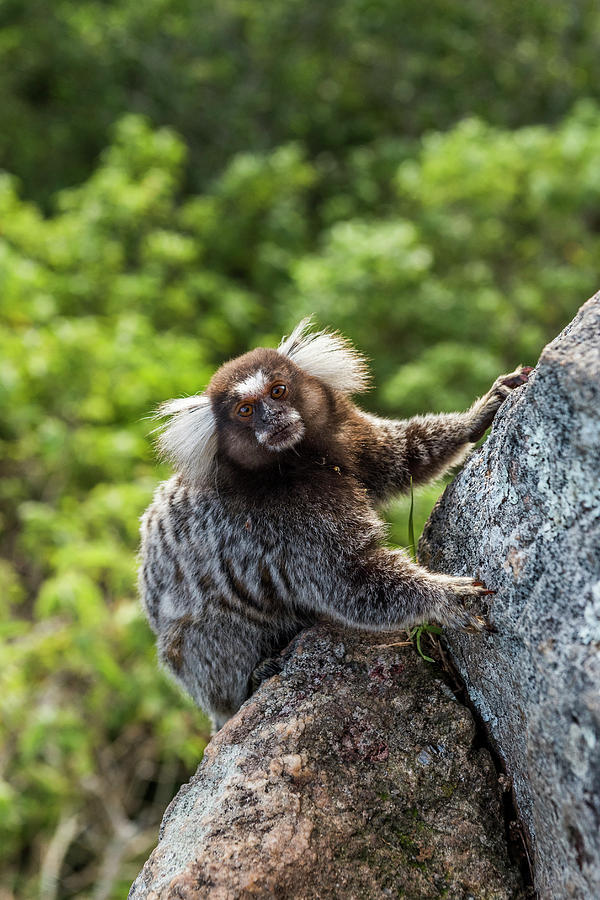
pixel 327 355
pixel 189 439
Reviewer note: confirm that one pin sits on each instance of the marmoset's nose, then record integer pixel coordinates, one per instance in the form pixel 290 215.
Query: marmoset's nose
pixel 268 413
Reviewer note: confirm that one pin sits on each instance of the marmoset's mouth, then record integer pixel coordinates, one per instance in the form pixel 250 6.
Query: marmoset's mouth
pixel 284 437
pixel 281 435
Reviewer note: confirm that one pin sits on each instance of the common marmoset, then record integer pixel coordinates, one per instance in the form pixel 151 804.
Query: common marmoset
pixel 269 522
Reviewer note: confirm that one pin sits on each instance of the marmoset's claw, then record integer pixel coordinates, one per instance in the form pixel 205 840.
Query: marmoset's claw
pixel 516 379
pixel 480 625
pixel 482 588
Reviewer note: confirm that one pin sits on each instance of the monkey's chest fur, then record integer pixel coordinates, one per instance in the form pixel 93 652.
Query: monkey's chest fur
pixel 229 576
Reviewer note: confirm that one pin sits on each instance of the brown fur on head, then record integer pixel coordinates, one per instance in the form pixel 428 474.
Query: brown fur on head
pixel 262 403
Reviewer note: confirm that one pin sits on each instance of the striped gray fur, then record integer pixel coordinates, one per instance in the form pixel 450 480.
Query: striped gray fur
pixel 270 523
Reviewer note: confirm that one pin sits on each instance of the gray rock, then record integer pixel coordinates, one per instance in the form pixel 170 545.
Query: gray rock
pixel 351 775
pixel 524 517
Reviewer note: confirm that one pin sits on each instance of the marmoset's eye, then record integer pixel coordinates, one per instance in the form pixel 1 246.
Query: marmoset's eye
pixel 278 392
pixel 245 410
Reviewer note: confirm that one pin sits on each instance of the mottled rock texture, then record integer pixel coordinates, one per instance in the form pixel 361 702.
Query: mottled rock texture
pixel 351 775
pixel 524 517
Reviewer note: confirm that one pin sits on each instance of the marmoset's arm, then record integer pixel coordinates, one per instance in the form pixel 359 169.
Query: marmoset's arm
pixel 425 447
pixel 384 590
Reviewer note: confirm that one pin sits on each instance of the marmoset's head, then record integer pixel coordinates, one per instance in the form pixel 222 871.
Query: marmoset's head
pixel 262 404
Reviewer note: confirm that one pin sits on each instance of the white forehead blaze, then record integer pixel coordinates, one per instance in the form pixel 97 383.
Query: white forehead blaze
pixel 252 386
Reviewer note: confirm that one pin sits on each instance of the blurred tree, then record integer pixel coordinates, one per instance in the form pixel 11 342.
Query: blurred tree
pixel 490 244
pixel 447 260
pixel 234 76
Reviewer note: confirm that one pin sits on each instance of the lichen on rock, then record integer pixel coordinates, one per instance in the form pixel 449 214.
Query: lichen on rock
pixel 524 517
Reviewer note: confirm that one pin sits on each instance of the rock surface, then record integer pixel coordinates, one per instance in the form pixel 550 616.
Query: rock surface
pixel 524 517
pixel 351 775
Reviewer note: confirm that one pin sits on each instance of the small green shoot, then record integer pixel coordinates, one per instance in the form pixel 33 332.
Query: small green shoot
pixel 417 633
pixel 411 524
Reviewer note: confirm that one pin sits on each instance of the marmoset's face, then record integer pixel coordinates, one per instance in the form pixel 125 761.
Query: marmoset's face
pixel 264 405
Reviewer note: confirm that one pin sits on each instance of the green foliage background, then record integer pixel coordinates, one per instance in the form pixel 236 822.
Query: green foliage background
pixel 184 181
